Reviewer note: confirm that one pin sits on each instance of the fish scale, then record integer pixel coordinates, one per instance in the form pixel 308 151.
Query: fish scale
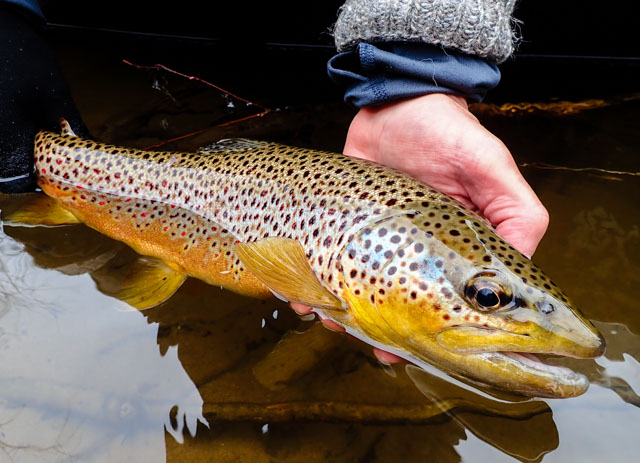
pixel 407 267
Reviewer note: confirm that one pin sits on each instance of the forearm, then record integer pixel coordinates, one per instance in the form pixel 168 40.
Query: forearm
pixel 476 27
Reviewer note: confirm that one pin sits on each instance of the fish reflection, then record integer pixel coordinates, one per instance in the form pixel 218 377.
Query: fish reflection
pixel 622 364
pixel 619 369
pixel 495 422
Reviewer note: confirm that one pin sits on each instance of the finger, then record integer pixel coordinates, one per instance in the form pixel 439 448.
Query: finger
pixel 333 326
pixel 506 199
pixel 524 232
pixel 387 357
pixel 301 309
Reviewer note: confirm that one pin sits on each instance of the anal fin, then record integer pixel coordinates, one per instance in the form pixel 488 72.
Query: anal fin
pixel 143 284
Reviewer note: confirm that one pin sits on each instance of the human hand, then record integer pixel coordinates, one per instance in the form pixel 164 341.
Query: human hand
pixel 435 138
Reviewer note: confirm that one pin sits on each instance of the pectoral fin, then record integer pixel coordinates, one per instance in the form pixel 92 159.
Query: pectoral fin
pixel 143 284
pixel 282 265
pixel 36 209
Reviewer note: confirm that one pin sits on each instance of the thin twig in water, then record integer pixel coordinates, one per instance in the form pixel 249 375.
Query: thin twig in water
pixel 224 124
pixel 162 67
pixel 186 76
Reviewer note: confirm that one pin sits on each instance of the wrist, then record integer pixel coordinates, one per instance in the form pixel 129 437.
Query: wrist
pixel 383 73
pixel 459 101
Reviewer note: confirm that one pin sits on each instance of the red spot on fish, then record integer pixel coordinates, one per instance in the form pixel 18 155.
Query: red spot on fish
pixel 183 233
pixel 173 206
pixel 97 171
pixel 101 203
pixel 79 187
pixel 58 161
pixel 144 214
pixel 164 183
pixel 117 217
pixel 166 228
pixel 216 256
pixel 44 171
pixel 214 228
pixel 127 200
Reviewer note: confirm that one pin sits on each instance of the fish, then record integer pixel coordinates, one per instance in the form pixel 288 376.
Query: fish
pixel 395 262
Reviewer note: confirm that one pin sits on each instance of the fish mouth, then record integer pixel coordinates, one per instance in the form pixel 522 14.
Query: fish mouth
pixel 538 363
pixel 527 374
pixel 513 363
pixel 517 362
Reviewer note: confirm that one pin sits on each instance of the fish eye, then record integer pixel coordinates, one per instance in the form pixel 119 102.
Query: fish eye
pixel 487 298
pixel 486 293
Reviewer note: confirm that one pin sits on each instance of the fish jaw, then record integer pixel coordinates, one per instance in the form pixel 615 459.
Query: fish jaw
pixel 509 359
pixel 563 333
pixel 512 371
pixel 523 374
pixel 413 303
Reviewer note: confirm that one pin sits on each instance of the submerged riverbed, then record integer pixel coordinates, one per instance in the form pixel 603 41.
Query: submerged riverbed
pixel 212 376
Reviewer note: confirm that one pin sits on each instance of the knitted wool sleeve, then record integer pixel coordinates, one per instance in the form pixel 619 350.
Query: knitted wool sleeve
pixel 476 27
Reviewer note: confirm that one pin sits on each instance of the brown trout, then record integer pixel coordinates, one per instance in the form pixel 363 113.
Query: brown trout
pixel 395 262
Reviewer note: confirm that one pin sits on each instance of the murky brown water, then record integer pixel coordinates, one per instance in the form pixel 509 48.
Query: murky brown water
pixel 211 376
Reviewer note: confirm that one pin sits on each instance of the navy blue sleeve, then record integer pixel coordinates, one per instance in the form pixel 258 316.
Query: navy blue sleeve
pixel 30 5
pixel 382 73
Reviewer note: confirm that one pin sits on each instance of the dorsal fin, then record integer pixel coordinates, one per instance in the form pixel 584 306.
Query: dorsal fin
pixel 66 129
pixel 283 267
pixel 233 145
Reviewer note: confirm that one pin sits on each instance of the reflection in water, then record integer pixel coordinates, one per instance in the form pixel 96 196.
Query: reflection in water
pixel 80 380
pixel 496 423
pixel 619 369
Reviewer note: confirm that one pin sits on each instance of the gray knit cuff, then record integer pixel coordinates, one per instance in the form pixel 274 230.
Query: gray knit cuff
pixel 476 27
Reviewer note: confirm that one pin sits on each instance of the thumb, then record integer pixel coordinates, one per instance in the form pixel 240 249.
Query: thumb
pixel 505 198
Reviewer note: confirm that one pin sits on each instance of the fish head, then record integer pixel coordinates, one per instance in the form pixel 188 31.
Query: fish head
pixel 458 296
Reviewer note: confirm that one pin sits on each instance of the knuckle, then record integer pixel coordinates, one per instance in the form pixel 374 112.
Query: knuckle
pixel 540 216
